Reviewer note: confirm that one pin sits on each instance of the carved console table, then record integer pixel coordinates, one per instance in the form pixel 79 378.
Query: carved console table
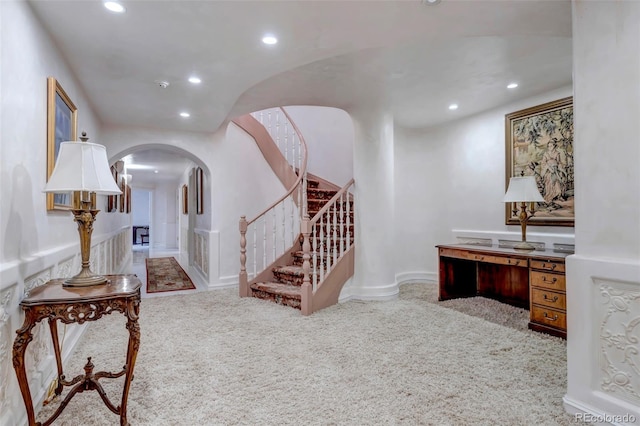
pixel 77 305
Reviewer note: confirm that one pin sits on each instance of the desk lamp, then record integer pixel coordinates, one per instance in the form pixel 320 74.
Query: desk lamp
pixel 83 166
pixel 523 189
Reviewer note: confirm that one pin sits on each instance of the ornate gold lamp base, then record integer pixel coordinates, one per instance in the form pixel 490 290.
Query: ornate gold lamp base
pixel 85 217
pixel 524 218
pixel 524 246
pixel 84 279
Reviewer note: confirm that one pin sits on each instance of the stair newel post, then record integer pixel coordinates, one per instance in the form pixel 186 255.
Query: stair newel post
pixel 244 285
pixel 306 304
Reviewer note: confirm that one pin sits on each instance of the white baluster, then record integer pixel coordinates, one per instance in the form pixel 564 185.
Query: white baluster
pixel 295 220
pixel 274 240
pixel 278 128
pixel 335 234
pixel 255 249
pixel 286 141
pixel 321 249
pixel 341 224
pixel 269 129
pixel 305 201
pixel 264 242
pixel 328 244
pixel 348 239
pixel 284 227
pixel 315 257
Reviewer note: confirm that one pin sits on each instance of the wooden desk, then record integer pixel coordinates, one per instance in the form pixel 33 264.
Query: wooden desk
pixel 77 305
pixel 531 280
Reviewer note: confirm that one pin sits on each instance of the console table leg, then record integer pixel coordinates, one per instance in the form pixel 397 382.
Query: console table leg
pixel 24 336
pixel 56 347
pixel 132 353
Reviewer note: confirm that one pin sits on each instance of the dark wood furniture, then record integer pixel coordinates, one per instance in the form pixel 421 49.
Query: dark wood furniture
pixel 140 231
pixel 531 280
pixel 77 305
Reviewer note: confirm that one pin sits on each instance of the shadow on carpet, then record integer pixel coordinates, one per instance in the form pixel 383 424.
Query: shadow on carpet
pixel 481 307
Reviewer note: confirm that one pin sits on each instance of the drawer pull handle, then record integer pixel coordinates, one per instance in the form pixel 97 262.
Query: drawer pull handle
pixel 479 257
pixel 551 266
pixel 552 281
pixel 516 263
pixel 555 317
pixel 554 299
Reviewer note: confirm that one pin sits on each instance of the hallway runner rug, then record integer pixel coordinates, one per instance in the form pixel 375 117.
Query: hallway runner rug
pixel 166 274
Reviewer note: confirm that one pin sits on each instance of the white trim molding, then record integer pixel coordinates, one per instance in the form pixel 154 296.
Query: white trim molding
pixel 603 324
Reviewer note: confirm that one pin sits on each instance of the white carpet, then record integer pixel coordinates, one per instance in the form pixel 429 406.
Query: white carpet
pixel 211 358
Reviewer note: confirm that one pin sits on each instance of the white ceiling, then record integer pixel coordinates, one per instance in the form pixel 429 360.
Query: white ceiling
pixel 399 55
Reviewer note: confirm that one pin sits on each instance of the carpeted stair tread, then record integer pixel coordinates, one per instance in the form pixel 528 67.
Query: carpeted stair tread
pixel 290 270
pixel 291 291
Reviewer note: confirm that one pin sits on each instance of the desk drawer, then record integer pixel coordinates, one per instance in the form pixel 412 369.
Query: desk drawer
pixel 456 254
pixel 548 298
pixel 466 255
pixel 549 317
pixel 547 280
pixel 547 265
pixel 510 261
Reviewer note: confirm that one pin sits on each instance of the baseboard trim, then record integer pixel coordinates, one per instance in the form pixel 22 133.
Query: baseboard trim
pixel 416 277
pixel 584 413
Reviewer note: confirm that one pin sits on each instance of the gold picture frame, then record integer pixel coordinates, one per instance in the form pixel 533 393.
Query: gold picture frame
pixel 62 125
pixel 185 199
pixel 539 142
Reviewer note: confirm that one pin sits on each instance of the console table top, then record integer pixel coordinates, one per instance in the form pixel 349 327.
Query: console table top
pixel 546 254
pixel 54 292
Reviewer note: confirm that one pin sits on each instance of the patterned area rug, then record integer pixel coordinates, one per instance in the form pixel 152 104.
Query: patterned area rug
pixel 166 274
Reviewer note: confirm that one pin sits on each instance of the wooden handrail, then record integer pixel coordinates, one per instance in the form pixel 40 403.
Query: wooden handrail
pixel 302 171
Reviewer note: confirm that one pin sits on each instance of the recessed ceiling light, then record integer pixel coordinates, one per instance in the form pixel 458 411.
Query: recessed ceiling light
pixel 114 6
pixel 512 85
pixel 155 171
pixel 269 39
pixel 430 2
pixel 185 114
pixel 194 80
pixel 453 106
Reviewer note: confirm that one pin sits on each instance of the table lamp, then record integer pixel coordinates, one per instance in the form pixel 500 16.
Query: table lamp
pixel 523 189
pixel 83 166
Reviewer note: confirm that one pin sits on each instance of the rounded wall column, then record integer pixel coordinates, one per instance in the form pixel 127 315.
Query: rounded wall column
pixel 374 268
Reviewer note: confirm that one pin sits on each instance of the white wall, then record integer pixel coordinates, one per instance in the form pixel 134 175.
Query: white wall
pixel 164 220
pixel 28 58
pixel 38 245
pixel 329 134
pixel 452 177
pixel 603 277
pixel 244 184
pixel 140 207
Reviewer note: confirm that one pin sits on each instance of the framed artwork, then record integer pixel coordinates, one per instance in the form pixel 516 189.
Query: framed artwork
pixel 122 196
pixel 185 199
pixel 112 200
pixel 128 202
pixel 199 191
pixel 62 125
pixel 539 142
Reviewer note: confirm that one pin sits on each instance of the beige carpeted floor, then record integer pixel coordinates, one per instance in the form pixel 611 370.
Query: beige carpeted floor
pixel 211 358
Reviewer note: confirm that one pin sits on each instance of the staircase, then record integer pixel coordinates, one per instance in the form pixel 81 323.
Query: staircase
pixel 298 252
pixel 286 286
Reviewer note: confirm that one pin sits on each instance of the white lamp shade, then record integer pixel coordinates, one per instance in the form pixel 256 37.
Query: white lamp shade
pixel 522 189
pixel 82 166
